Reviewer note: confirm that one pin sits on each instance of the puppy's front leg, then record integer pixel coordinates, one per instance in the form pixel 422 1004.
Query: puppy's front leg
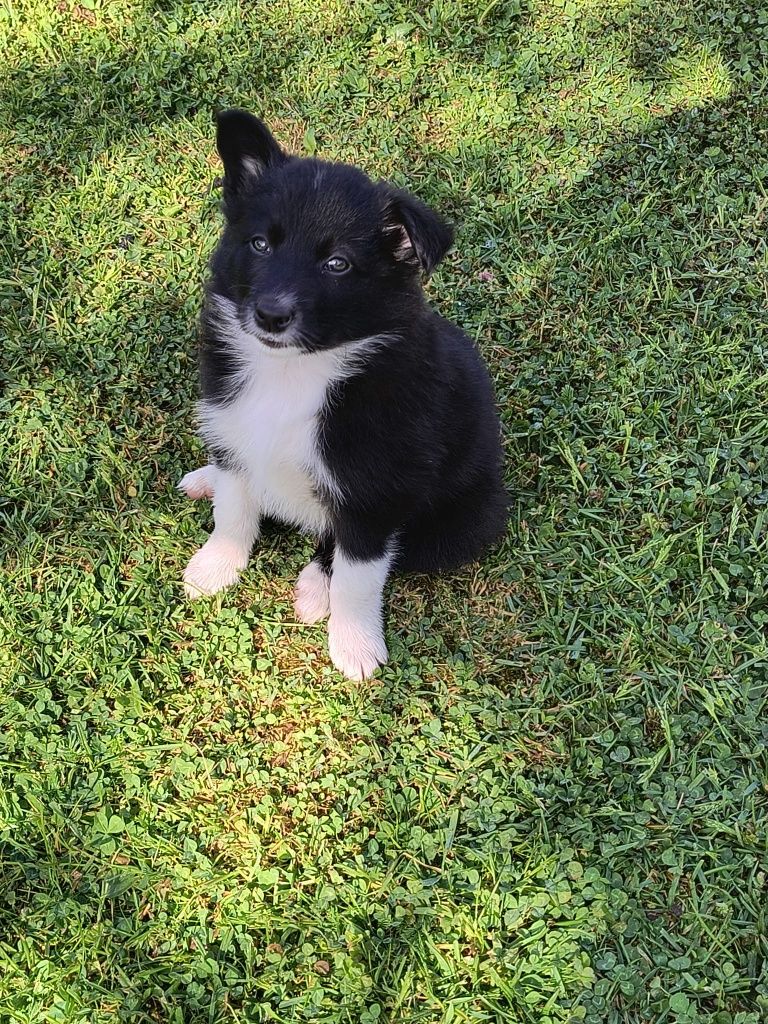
pixel 236 526
pixel 356 627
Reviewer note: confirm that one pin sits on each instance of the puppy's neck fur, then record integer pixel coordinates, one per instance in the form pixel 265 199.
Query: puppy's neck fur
pixel 269 421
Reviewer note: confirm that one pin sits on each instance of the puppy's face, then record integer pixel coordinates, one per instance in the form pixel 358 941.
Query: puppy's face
pixel 316 255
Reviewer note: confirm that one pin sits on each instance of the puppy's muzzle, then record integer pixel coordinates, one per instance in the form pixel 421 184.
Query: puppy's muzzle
pixel 273 315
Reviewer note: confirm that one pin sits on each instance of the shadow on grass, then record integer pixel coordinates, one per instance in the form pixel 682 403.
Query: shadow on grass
pixel 104 89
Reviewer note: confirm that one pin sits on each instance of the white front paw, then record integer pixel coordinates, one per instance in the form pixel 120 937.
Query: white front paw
pixel 198 483
pixel 311 595
pixel 356 648
pixel 216 565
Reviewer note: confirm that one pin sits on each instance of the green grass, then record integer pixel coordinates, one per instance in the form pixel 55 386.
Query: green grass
pixel 551 805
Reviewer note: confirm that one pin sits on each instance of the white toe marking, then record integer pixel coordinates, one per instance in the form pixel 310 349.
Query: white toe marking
pixel 216 565
pixel 311 596
pixel 198 483
pixel 356 649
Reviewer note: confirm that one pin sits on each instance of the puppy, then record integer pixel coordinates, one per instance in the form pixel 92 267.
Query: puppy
pixel 333 398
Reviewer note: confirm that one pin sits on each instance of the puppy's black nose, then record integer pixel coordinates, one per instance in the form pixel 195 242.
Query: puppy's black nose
pixel 273 314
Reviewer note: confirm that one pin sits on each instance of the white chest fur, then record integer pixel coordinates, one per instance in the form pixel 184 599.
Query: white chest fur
pixel 271 430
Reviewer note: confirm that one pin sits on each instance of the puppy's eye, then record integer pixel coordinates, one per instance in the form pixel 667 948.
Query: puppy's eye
pixel 337 265
pixel 260 245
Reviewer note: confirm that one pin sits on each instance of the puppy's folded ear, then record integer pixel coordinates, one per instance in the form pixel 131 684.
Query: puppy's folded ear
pixel 246 147
pixel 419 235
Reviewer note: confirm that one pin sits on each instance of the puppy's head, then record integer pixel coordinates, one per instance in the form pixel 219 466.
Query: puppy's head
pixel 316 255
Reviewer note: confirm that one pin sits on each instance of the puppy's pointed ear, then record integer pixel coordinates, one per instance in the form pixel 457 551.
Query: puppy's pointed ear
pixel 419 235
pixel 246 147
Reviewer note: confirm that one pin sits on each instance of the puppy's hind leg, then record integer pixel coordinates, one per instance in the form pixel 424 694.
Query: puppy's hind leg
pixel 199 483
pixel 218 562
pixel 311 595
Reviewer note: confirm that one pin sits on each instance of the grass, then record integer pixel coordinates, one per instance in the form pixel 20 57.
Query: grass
pixel 551 805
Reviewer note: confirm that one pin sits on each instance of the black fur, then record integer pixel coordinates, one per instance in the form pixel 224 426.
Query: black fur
pixel 412 440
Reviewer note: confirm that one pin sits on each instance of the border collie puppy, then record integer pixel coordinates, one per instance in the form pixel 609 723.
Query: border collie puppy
pixel 333 398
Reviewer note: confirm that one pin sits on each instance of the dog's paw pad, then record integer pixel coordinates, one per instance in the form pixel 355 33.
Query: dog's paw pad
pixel 311 594
pixel 356 649
pixel 198 483
pixel 215 566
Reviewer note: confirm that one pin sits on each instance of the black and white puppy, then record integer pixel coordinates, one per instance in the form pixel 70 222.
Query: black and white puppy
pixel 333 398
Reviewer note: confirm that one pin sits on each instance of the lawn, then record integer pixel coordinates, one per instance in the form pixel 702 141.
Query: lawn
pixel 551 805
